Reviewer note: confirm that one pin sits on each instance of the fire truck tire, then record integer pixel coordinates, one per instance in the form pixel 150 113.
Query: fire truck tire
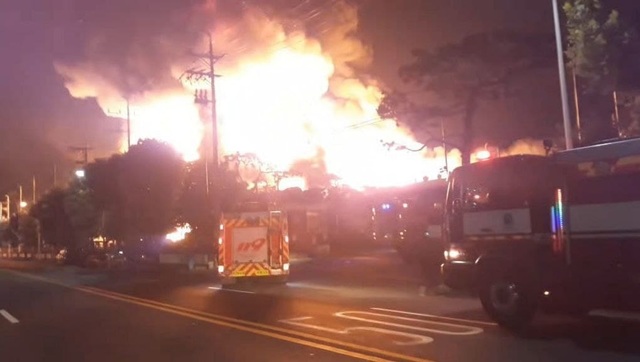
pixel 280 279
pixel 405 254
pixel 226 281
pixel 509 297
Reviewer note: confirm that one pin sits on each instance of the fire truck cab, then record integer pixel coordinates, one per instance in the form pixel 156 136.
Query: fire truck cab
pixel 253 243
pixel 559 233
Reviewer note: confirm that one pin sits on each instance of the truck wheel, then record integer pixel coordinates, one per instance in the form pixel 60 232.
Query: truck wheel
pixel 405 254
pixel 281 279
pixel 509 298
pixel 226 281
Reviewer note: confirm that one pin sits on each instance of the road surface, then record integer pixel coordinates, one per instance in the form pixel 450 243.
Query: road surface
pixel 338 309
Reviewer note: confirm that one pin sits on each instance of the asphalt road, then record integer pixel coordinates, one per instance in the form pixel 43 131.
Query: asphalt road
pixel 370 307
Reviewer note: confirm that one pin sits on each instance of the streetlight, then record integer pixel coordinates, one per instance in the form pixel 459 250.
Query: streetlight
pixel 568 137
pixel 23 204
pixel 80 173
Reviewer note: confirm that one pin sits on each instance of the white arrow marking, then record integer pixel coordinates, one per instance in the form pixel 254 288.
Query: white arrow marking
pixel 414 339
pixel 464 330
pixel 436 316
pixel 9 317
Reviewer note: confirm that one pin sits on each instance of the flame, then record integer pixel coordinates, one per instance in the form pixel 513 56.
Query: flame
pixel 179 234
pixel 173 119
pixel 284 96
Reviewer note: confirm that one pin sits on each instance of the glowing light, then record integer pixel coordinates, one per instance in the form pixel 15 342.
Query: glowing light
pixel 483 155
pixel 179 234
pixel 80 173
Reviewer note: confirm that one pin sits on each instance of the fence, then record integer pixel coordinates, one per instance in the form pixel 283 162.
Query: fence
pixel 21 254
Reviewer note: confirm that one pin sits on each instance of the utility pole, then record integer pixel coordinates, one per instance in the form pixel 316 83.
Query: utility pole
pixel 568 136
pixel 118 114
pixel 20 199
pixel 128 126
pixel 201 97
pixel 33 190
pixel 444 145
pixel 576 100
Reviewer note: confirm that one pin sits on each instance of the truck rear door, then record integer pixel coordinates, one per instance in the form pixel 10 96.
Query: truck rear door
pixel 249 244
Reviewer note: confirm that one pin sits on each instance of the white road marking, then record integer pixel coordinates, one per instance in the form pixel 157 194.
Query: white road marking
pixel 9 317
pixel 465 330
pixel 415 339
pixel 436 316
pixel 233 290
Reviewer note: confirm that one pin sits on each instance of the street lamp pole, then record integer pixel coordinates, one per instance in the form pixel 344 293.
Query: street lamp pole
pixel 20 199
pixel 8 201
pixel 33 190
pixel 568 137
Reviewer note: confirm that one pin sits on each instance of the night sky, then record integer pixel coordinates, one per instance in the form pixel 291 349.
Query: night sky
pixel 39 120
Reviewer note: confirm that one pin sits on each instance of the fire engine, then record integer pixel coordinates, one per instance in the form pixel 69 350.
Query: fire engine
pixel 408 219
pixel 559 233
pixel 253 242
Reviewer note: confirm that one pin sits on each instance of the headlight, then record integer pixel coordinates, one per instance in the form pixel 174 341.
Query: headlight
pixel 454 253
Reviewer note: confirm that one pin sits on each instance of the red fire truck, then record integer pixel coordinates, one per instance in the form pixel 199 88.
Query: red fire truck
pixel 253 242
pixel 558 233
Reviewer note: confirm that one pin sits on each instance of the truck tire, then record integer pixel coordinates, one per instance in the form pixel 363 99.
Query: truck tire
pixel 509 297
pixel 405 254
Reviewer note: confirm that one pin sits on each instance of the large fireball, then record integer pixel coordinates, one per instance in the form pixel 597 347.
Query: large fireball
pixel 283 96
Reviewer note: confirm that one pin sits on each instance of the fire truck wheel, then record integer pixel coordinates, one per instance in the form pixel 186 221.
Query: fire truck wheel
pixel 226 281
pixel 405 254
pixel 509 298
pixel 280 279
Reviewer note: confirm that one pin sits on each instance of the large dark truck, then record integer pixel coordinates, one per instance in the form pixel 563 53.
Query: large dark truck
pixel 411 220
pixel 559 233
pixel 308 230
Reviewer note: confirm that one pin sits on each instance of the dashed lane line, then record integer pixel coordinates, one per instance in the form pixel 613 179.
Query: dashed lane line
pixel 9 317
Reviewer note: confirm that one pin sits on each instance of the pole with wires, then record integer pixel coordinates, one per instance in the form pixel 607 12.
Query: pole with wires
pixel 201 97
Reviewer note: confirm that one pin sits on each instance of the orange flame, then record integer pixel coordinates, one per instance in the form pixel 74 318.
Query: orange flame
pixel 284 97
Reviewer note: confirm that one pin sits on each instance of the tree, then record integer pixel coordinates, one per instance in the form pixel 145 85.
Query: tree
pixel 84 217
pixel 603 52
pixel 457 77
pixel 102 178
pixel 596 43
pixel 136 193
pixel 28 230
pixel 55 226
